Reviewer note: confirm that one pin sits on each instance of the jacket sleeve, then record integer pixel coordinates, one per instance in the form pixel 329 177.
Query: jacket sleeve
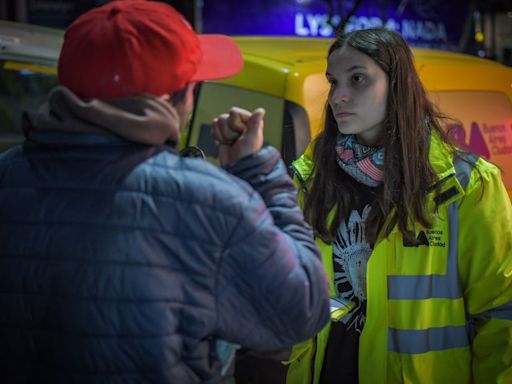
pixel 271 272
pixel 485 260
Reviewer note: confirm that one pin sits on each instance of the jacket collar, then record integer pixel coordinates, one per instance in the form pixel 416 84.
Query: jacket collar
pixel 441 158
pixel 141 119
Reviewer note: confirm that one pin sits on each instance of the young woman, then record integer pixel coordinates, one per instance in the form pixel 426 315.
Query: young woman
pixel 415 234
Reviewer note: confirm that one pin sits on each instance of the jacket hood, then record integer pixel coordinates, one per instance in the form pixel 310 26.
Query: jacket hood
pixel 142 119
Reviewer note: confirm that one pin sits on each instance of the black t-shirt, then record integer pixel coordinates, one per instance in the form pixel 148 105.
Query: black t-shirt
pixel 351 252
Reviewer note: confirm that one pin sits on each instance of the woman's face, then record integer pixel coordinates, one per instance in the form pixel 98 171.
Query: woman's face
pixel 358 94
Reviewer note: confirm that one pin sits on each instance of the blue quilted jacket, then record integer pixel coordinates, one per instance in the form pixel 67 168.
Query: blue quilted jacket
pixel 125 263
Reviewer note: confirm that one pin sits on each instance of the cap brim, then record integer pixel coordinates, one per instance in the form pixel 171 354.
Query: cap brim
pixel 221 58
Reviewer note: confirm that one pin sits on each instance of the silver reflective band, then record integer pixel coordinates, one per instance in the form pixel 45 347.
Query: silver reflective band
pixel 417 287
pixel 463 168
pixel 427 340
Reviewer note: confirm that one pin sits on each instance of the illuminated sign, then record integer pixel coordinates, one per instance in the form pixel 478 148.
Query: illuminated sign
pixel 423 23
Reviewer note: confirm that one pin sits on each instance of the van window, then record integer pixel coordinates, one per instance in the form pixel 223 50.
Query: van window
pixel 296 132
pixel 23 86
pixel 484 125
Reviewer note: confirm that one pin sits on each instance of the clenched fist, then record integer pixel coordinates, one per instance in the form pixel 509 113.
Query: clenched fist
pixel 239 133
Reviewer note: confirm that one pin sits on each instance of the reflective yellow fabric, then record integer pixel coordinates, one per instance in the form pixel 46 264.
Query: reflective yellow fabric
pixel 477 316
pixel 427 313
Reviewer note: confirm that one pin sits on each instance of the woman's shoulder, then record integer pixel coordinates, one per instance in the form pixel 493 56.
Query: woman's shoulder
pixel 486 172
pixel 303 165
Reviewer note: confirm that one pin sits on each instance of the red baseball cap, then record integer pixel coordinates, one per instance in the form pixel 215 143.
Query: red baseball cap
pixel 132 47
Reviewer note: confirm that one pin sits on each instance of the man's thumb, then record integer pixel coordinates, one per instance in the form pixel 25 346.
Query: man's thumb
pixel 255 122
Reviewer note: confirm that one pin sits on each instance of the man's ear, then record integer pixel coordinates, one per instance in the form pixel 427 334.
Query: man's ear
pixel 165 97
pixel 189 93
pixel 184 96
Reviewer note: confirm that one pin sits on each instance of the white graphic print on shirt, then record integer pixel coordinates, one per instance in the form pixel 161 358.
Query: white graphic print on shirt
pixel 351 254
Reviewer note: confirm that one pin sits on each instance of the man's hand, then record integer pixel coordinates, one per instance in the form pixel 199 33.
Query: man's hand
pixel 239 134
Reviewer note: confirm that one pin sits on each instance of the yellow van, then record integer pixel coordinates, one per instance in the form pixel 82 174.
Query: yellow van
pixel 28 70
pixel 286 77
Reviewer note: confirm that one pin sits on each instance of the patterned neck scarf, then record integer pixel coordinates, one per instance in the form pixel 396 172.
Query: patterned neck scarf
pixel 362 162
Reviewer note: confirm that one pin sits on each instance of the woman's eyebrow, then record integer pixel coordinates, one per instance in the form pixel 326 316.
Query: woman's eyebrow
pixel 350 69
pixel 354 67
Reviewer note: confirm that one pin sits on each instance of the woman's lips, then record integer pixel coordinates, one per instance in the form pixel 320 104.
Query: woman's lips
pixel 343 114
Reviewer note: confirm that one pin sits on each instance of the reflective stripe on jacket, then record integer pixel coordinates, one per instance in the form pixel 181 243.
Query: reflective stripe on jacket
pixel 439 312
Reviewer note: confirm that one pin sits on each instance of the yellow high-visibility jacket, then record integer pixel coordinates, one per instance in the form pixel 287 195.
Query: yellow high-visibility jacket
pixel 436 313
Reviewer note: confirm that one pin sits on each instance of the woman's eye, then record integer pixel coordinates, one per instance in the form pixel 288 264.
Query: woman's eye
pixel 358 78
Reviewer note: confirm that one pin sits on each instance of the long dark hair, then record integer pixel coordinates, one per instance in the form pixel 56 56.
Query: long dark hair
pixel 410 120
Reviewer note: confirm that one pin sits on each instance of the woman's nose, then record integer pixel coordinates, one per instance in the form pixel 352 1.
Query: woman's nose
pixel 340 95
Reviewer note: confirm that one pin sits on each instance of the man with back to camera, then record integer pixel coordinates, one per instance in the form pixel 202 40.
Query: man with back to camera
pixel 122 262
